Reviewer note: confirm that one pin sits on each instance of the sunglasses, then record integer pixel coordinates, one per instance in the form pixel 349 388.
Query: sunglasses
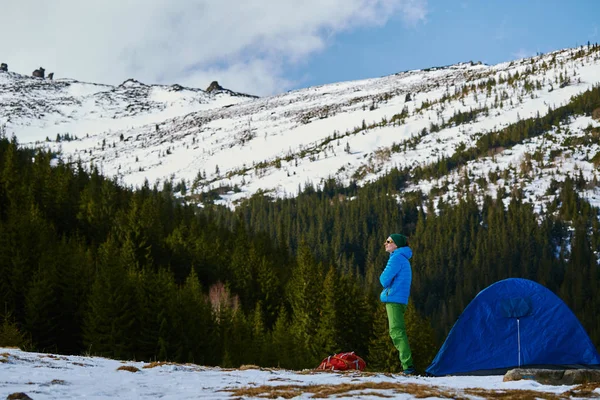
pixel 388 241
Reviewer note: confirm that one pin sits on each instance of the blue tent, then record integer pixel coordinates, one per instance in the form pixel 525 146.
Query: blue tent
pixel 514 323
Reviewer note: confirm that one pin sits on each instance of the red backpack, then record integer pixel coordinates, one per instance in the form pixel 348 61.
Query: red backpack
pixel 343 362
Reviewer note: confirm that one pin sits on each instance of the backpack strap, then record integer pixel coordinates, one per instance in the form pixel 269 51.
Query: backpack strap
pixel 348 363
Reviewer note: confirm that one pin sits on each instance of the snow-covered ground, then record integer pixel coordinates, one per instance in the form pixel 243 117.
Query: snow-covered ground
pixel 354 130
pixel 47 376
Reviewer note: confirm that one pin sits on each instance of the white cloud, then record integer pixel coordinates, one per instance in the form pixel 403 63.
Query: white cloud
pixel 246 45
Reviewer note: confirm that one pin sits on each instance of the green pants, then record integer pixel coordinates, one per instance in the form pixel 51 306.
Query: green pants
pixel 395 312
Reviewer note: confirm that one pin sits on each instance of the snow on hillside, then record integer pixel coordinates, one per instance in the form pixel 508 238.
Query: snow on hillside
pixel 47 376
pixel 35 109
pixel 354 130
pixel 535 176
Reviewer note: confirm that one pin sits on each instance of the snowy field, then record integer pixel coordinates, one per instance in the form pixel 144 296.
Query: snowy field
pixel 46 376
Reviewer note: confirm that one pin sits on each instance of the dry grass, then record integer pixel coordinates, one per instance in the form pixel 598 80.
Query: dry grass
pixel 418 391
pixel 249 366
pixel 360 389
pixel 513 394
pixel 279 379
pixel 18 396
pixel 6 357
pixel 52 356
pixel 586 390
pixel 129 368
pixel 351 372
pixel 155 364
pixel 82 364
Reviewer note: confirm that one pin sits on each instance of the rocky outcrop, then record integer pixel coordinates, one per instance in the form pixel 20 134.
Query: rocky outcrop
pixel 51 75
pixel 39 73
pixel 133 83
pixel 596 114
pixel 4 67
pixel 214 86
pixel 554 376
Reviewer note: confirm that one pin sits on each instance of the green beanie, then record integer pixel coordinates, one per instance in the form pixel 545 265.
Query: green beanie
pixel 400 240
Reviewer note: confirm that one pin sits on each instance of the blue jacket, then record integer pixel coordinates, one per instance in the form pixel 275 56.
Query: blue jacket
pixel 397 277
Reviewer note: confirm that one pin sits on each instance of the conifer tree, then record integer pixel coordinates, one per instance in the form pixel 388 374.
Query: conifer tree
pixel 11 170
pixel 304 293
pixel 194 328
pixel 155 298
pixel 237 335
pixel 354 315
pixel 98 204
pixel 270 288
pixel 26 237
pixel 284 347
pixel 44 305
pixel 11 335
pixel 109 321
pixel 258 342
pixel 241 270
pixel 327 338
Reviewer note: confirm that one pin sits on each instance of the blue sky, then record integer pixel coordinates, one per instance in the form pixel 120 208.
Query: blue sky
pixel 491 31
pixel 267 47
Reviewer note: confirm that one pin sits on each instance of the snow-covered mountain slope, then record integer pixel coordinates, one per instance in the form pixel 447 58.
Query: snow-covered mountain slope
pixel 351 131
pixel 35 109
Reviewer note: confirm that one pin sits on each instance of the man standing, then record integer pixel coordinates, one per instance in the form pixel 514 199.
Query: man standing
pixel 396 279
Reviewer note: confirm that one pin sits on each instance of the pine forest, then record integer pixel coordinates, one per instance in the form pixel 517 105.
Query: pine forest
pixel 89 266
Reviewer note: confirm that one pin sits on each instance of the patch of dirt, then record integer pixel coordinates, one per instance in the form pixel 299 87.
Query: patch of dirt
pixel 129 368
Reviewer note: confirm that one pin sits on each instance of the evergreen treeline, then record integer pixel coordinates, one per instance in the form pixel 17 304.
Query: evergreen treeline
pixel 458 249
pixel 88 266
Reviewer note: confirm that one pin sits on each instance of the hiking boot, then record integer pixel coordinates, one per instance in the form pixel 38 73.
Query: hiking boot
pixel 409 371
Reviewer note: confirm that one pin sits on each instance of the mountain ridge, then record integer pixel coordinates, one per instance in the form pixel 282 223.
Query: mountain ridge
pixel 352 131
